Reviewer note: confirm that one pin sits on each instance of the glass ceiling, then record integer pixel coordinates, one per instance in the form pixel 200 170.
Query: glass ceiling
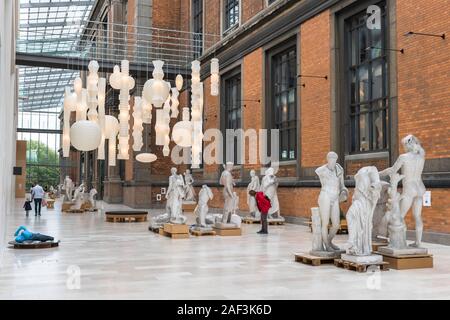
pixel 48 27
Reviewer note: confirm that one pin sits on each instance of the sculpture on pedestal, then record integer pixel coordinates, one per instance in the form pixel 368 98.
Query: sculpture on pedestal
pixel 201 210
pixel 92 195
pixel 226 180
pixel 379 220
pixel 411 164
pixel 332 192
pixel 174 195
pixel 251 202
pixel 360 214
pixel 189 189
pixel 269 186
pixel 78 197
pixel 68 187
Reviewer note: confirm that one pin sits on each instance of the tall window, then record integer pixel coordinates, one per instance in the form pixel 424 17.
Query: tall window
pixel 197 27
pixel 231 10
pixel 232 109
pixel 284 100
pixel 367 83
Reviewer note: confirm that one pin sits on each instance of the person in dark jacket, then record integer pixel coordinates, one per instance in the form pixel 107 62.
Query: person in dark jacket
pixel 263 204
pixel 27 205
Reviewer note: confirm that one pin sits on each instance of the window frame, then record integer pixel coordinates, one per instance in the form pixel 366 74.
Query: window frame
pixel 197 21
pixel 287 45
pixel 226 29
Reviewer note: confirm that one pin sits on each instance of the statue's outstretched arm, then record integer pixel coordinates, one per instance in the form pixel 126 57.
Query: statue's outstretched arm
pixel 389 171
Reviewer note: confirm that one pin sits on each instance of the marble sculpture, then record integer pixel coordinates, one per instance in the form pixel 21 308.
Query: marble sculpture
pixel 189 189
pixel 251 202
pixel 269 185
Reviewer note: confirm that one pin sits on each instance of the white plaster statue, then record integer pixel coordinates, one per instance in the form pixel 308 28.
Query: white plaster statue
pixel 251 201
pixel 379 221
pixel 79 192
pixel 269 186
pixel 174 195
pixel 411 164
pixel 59 189
pixel 201 210
pixel 316 226
pixel 68 187
pixel 92 194
pixel 360 214
pixel 332 192
pixel 235 203
pixel 226 180
pixel 189 189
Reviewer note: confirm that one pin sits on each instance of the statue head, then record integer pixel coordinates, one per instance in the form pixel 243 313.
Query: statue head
pixel 252 173
pixel 173 170
pixel 332 158
pixel 229 166
pixel 188 171
pixel 411 144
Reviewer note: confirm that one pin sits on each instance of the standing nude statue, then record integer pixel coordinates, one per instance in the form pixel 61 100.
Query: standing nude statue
pixel 251 202
pixel 411 164
pixel 333 191
pixel 226 180
pixel 190 192
pixel 68 187
pixel 201 210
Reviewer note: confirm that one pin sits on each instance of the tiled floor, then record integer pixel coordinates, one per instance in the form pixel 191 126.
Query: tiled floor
pixel 126 261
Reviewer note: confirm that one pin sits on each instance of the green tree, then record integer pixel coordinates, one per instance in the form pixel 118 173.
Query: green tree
pixel 42 165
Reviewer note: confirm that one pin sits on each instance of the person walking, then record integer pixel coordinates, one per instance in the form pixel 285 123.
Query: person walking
pixel 37 194
pixel 27 205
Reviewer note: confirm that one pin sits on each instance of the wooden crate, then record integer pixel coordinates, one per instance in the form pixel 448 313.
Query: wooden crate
pixel 175 231
pixel 377 244
pixel 50 204
pixel 199 233
pixel 228 232
pixel 66 206
pixel 410 261
pixel 312 260
pixel 358 267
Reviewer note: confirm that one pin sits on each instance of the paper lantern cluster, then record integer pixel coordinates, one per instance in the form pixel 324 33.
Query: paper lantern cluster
pixel 93 128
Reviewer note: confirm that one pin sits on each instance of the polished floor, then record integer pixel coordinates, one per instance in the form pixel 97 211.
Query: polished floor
pixel 126 261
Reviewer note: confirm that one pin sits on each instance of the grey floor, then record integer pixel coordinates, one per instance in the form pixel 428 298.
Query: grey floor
pixel 126 261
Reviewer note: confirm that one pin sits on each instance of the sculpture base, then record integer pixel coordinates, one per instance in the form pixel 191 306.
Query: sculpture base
pixel 312 259
pixel 404 251
pixel 326 254
pixel 188 206
pixel 175 231
pixel 66 206
pixel 202 232
pixel 377 244
pixel 370 259
pixel 223 225
pixel 360 267
pixel 50 204
pixel 408 261
pixel 228 231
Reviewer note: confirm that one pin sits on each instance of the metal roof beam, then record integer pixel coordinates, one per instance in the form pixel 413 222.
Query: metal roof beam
pixel 57 4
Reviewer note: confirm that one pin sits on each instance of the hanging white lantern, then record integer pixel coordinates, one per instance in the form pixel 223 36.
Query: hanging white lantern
pixel 78 87
pixel 182 131
pixel 196 114
pixel 146 111
pixel 66 126
pixel 179 82
pixel 146 157
pixel 101 116
pixel 161 128
pixel 157 90
pixel 214 77
pixel 166 109
pixel 85 135
pixel 82 107
pixel 175 103
pixel 137 124
pixel 123 81
pixel 111 131
pixel 92 90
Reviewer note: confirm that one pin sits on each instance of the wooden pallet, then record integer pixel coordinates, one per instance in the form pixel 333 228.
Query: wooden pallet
pixel 199 233
pixel 228 232
pixel 250 220
pixel 154 229
pixel 74 211
pixel 312 260
pixel 377 244
pixel 410 261
pixel 125 218
pixel 358 267
pixel 50 204
pixel 274 223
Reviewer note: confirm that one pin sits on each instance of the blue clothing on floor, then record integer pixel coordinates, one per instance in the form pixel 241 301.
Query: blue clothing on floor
pixel 22 234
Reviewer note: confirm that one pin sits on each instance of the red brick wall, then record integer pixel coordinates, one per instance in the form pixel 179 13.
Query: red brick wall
pixel 315 97
pixel 166 14
pixel 251 8
pixel 211 21
pixel 211 121
pixel 424 75
pixel 252 91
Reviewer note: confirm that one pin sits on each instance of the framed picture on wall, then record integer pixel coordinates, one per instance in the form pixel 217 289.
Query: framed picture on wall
pixel 158 197
pixel 163 190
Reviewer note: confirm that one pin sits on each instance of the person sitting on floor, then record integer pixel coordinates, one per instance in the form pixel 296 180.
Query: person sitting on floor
pixel 22 234
pixel 263 204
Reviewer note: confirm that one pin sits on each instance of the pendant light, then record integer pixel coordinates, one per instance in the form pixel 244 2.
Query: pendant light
pixel 101 116
pixel 215 77
pixel 137 124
